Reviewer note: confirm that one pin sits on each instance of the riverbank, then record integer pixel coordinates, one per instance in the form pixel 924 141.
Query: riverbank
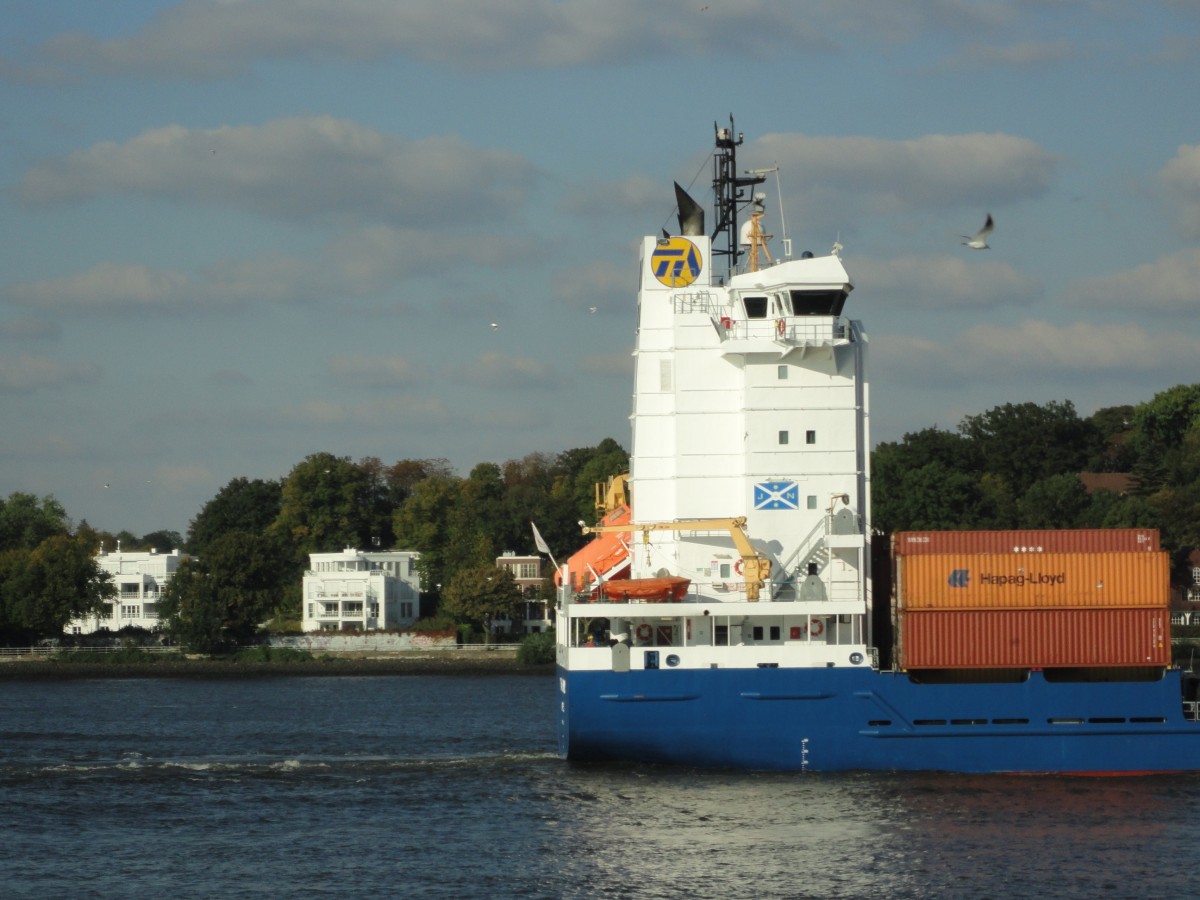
pixel 441 662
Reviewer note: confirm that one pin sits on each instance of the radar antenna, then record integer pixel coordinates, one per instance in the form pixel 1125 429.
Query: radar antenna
pixel 729 193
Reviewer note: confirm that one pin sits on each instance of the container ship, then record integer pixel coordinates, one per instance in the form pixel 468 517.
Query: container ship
pixel 734 609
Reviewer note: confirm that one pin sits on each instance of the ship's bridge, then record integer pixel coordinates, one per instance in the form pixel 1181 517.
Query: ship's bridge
pixel 793 305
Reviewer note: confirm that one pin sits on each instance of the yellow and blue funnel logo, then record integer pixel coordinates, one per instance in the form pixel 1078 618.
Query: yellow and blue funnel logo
pixel 676 262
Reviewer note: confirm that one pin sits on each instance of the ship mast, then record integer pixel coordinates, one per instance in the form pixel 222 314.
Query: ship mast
pixel 729 194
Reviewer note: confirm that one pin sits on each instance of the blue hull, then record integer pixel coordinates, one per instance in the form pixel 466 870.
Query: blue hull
pixel 838 719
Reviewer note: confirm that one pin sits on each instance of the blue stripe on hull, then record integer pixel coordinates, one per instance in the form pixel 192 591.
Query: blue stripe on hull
pixel 847 719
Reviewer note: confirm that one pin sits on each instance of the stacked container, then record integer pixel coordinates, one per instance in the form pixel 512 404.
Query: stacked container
pixel 1031 599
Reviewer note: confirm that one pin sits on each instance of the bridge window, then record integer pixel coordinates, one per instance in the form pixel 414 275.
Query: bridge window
pixel 818 303
pixel 756 307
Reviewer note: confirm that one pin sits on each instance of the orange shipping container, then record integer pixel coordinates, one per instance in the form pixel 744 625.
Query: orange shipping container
pixel 1068 540
pixel 1040 581
pixel 1034 638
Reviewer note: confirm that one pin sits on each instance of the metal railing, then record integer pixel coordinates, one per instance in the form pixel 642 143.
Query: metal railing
pixel 48 651
pixel 436 648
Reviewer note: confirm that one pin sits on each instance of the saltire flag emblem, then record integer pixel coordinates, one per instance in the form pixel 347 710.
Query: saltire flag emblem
pixel 777 495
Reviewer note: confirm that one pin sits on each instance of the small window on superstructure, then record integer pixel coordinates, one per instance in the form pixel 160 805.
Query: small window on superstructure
pixel 783 437
pixel 774 632
pixel 810 437
pixel 812 501
pixel 756 307
pixel 782 372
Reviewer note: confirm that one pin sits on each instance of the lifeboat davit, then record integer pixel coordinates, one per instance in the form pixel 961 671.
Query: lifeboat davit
pixel 668 588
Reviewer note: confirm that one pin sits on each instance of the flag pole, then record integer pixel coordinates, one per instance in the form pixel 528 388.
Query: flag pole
pixel 542 546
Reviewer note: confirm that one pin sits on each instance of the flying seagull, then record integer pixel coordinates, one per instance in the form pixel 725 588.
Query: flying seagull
pixel 494 326
pixel 979 241
pixel 591 309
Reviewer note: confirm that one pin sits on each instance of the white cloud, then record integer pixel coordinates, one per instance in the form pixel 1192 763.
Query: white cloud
pixel 210 38
pixel 1170 284
pixel 104 287
pixel 355 264
pixel 597 284
pixel 945 282
pixel 382 413
pixel 1022 55
pixel 605 364
pixel 847 178
pixel 25 373
pixel 1033 349
pixel 178 477
pixel 501 371
pixel 316 167
pixel 1180 179
pixel 29 329
pixel 359 370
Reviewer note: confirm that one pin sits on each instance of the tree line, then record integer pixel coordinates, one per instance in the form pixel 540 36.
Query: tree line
pixel 1013 466
pixel 1018 466
pixel 249 546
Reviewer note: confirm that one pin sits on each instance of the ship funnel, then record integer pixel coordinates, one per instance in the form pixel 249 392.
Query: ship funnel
pixel 691 214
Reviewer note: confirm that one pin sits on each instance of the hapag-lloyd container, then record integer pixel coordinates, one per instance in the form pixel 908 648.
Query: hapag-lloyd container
pixel 1034 638
pixel 1077 540
pixel 1032 581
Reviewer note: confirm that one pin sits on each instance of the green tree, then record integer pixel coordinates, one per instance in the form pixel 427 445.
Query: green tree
pixel 423 524
pixel 327 505
pixel 1025 442
pixel 43 589
pixel 477 521
pixel 1114 425
pixel 1166 436
pixel 1060 501
pixel 480 594
pixel 241 505
pixel 26 521
pixel 193 609
pixel 162 540
pixel 221 599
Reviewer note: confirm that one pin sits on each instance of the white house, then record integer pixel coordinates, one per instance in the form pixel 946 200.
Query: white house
pixel 140 578
pixel 361 590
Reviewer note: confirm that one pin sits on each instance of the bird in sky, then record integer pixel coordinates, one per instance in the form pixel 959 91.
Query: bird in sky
pixel 494 326
pixel 979 241
pixel 591 309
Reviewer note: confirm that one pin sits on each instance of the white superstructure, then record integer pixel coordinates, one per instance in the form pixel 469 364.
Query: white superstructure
pixel 749 468
pixel 750 401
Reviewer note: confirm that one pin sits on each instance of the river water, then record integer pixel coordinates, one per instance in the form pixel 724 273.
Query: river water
pixel 443 786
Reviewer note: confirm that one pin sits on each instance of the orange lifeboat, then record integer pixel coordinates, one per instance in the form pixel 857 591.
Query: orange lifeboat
pixel 606 554
pixel 669 588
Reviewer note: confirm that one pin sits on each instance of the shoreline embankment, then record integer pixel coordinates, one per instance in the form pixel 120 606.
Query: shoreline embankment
pixel 438 662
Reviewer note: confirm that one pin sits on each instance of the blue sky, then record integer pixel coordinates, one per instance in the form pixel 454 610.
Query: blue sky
pixel 237 232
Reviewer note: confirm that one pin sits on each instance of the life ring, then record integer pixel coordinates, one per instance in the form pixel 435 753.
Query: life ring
pixel 780 327
pixel 738 567
pixel 817 628
pixel 644 631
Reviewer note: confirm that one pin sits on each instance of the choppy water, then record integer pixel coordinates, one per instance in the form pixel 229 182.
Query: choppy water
pixel 450 787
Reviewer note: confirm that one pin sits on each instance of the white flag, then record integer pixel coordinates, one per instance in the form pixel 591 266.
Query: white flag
pixel 539 543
